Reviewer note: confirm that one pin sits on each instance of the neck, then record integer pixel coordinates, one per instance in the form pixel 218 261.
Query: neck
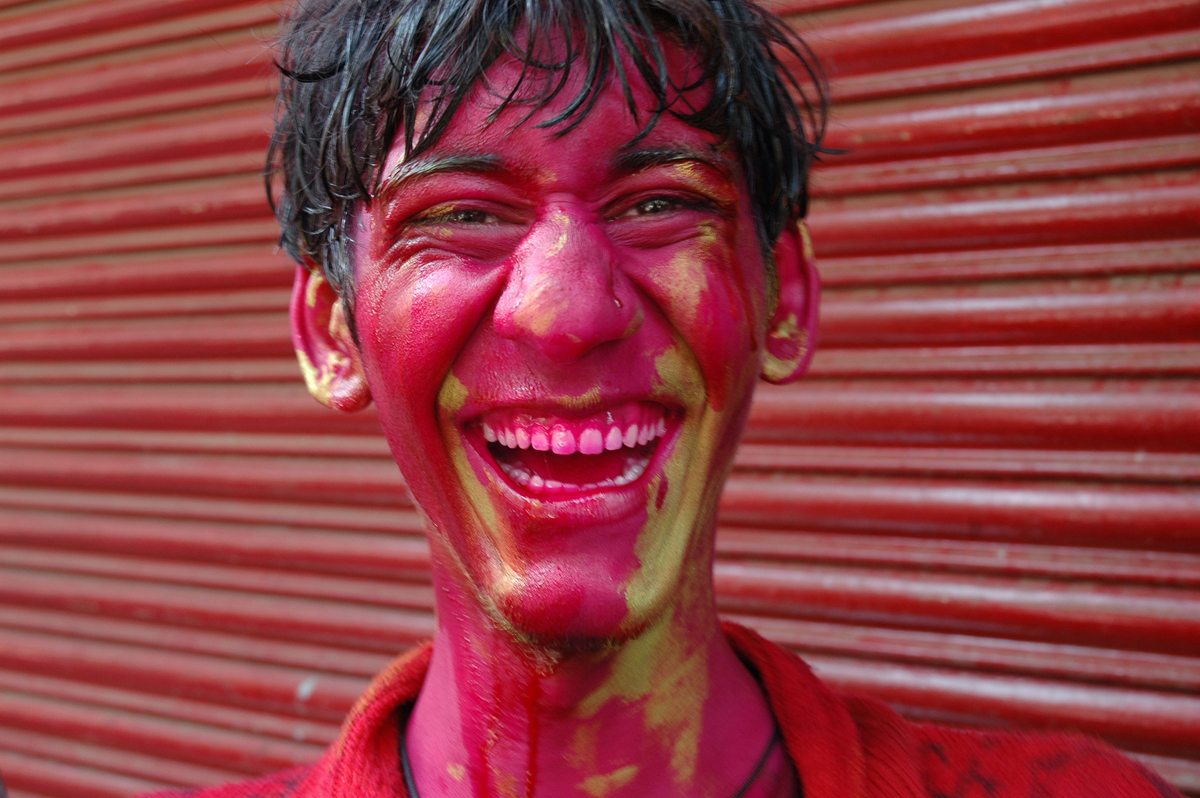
pixel 670 712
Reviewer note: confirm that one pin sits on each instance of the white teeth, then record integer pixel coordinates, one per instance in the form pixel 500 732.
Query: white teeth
pixel 562 441
pixel 519 475
pixel 591 441
pixel 631 436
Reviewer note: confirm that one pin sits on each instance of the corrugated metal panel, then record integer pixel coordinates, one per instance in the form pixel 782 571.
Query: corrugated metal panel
pixel 982 506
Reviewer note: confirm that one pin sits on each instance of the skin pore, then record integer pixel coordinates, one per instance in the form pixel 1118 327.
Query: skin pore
pixel 562 335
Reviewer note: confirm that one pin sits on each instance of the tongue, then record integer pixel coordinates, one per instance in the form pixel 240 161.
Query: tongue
pixel 573 469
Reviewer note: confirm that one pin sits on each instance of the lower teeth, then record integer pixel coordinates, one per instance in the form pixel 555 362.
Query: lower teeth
pixel 527 479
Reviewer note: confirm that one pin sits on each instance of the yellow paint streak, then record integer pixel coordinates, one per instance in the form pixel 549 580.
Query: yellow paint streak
pixel 684 278
pixel 581 751
pixel 319 379
pixel 589 398
pixel 544 304
pixel 338 328
pixel 482 498
pixel 806 241
pixel 666 673
pixel 586 400
pixel 788 329
pixel 662 548
pixel 670 678
pixel 777 368
pixel 506 783
pixel 689 170
pixel 666 670
pixel 452 396
pixel 681 692
pixel 601 785
pixel 311 376
pixel 315 281
pixel 557 247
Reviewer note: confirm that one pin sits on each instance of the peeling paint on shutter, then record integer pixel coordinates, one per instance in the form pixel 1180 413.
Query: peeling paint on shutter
pixel 982 506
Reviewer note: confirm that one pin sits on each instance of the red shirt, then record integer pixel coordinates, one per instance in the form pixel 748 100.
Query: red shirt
pixel 842 746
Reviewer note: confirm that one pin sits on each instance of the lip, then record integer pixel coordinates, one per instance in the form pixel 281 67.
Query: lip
pixel 502 438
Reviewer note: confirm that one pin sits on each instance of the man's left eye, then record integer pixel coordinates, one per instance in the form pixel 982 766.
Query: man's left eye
pixel 654 206
pixel 469 217
pixel 657 205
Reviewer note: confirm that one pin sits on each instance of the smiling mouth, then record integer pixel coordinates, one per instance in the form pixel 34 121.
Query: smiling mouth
pixel 543 454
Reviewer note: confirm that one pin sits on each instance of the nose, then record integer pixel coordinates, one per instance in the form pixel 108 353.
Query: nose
pixel 565 294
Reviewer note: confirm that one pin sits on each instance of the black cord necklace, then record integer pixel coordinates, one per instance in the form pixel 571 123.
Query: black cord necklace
pixel 411 785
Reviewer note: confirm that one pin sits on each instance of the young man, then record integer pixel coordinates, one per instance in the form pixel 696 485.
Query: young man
pixel 558 242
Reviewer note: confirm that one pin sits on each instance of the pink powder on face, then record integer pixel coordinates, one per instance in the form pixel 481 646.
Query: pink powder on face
pixel 550 282
pixel 559 344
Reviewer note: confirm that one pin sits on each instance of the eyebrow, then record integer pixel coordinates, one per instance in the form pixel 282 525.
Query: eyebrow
pixel 638 160
pixel 625 164
pixel 423 167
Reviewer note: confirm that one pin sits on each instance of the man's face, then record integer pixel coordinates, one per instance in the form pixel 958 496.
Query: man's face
pixel 562 334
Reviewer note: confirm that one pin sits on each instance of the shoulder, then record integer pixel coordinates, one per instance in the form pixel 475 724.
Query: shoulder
pixel 968 764
pixel 959 763
pixel 276 785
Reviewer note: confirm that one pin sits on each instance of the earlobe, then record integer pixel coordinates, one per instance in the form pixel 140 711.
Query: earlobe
pixel 328 356
pixel 792 332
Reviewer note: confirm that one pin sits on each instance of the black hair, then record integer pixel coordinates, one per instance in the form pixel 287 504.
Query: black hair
pixel 355 73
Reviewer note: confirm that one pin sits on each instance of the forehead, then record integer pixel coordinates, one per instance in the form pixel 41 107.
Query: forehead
pixel 509 118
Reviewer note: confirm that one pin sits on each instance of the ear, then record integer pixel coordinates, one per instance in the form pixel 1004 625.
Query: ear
pixel 792 333
pixel 328 356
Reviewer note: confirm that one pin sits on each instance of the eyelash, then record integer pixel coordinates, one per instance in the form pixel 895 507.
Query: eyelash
pixel 670 203
pixel 665 203
pixel 674 202
pixel 447 216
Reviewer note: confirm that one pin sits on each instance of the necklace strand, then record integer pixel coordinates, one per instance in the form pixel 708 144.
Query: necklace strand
pixel 411 784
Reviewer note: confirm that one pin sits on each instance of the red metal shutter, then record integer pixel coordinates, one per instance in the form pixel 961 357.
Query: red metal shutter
pixel 982 506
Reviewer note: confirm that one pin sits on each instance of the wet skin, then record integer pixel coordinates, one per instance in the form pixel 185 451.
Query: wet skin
pixel 562 335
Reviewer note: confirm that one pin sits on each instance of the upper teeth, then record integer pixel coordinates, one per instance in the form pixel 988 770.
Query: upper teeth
pixel 561 440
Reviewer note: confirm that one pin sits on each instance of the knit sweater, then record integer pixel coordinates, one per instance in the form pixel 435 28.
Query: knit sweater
pixel 842 746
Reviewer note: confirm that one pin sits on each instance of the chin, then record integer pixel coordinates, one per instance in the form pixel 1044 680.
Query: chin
pixel 570 607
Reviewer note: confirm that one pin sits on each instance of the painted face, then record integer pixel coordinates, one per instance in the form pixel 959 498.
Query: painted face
pixel 562 333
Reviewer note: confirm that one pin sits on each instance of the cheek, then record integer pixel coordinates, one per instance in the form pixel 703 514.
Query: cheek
pixel 412 324
pixel 707 297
